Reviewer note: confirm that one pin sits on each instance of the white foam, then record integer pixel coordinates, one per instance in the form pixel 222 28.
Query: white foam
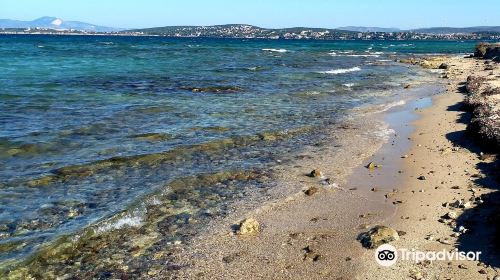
pixel 341 71
pixel 349 85
pixel 355 55
pixel 275 50
pixel 392 105
pixel 131 221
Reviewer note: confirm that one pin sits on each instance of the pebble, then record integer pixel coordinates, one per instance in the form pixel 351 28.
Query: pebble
pixel 422 178
pixel 316 173
pixel 373 165
pixel 451 215
pixel 310 191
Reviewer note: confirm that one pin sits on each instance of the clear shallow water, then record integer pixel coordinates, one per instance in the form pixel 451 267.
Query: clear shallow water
pixel 89 124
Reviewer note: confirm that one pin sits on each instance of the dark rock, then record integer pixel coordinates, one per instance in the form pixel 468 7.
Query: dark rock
pixel 377 236
pixel 443 66
pixel 422 178
pixel 310 191
pixel 315 173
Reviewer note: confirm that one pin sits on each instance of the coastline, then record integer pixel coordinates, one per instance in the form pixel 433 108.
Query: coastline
pixel 309 223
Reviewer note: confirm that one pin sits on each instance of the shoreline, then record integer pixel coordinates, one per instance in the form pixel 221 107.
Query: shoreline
pixel 307 235
pixel 454 170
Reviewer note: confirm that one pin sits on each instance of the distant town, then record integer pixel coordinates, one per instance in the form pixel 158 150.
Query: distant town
pixel 253 32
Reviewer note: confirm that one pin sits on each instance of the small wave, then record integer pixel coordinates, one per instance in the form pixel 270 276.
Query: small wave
pixel 356 55
pixel 40 46
pixel 384 133
pixel 129 220
pixel 349 85
pixel 388 106
pixel 384 60
pixel 341 71
pixel 275 50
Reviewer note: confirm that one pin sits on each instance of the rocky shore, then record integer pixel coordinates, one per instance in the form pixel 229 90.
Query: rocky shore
pixel 483 98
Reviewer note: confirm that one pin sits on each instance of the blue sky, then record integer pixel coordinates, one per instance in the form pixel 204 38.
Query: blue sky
pixel 270 13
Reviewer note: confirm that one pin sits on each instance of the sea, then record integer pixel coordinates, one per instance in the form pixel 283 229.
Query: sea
pixel 104 135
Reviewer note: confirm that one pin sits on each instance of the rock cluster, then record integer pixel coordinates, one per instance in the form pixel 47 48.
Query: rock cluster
pixel 483 99
pixel 488 51
pixel 434 62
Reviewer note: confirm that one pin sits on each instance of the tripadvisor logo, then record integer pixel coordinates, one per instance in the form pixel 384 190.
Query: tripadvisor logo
pixel 387 255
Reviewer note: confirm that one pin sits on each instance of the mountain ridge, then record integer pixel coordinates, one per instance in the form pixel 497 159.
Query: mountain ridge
pixel 56 23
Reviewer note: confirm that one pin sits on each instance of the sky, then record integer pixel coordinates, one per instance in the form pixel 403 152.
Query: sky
pixel 405 14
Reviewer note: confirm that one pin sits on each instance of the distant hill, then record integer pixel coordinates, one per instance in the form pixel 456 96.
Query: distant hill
pixel 55 23
pixel 238 31
pixel 369 29
pixel 467 30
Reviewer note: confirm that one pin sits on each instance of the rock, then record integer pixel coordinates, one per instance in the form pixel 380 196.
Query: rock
pixel 458 203
pixel 407 86
pixel 443 66
pixel 390 194
pixel 487 50
pixel 404 156
pixel 309 254
pixel 415 274
pixel 462 266
pixel 310 191
pixel 422 178
pixel 315 173
pixel 444 241
pixel 377 236
pixel 373 165
pixel 375 189
pixel 249 226
pixel 451 215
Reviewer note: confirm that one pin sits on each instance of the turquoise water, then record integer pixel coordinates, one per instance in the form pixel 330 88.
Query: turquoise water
pixel 88 124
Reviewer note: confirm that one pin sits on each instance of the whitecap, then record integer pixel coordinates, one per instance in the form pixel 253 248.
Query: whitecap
pixel 341 71
pixel 349 85
pixel 275 50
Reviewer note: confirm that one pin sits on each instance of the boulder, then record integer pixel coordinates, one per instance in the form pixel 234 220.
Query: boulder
pixel 487 50
pixel 377 236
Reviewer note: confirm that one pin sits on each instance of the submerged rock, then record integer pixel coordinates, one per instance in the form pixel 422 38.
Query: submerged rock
pixel 377 236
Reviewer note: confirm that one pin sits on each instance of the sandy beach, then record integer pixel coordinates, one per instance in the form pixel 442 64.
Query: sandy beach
pixel 426 166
